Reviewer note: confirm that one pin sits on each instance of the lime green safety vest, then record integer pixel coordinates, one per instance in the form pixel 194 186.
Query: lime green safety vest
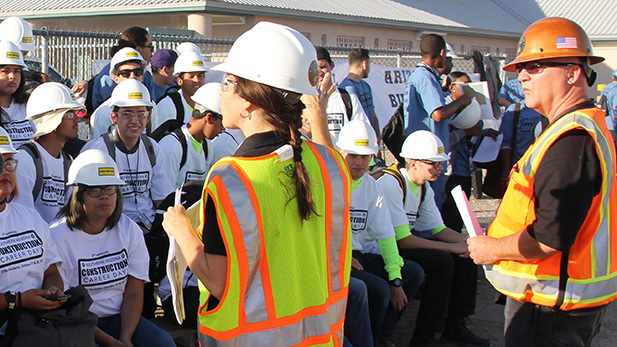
pixel 287 277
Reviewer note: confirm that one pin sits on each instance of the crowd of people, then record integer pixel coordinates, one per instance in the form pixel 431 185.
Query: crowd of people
pixel 303 236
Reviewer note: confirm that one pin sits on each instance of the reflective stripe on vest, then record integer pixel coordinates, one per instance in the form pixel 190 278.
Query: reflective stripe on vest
pixel 592 263
pixel 249 290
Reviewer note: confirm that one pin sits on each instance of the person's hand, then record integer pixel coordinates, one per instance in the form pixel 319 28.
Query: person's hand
pixel 459 248
pixel 480 249
pixel 398 299
pixel 33 299
pixel 355 264
pixel 79 88
pixel 492 133
pixel 175 220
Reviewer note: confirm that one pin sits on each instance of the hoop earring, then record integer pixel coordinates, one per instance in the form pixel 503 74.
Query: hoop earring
pixel 248 114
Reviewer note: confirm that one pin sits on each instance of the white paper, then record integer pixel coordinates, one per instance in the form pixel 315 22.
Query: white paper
pixel 176 266
pixel 488 149
pixel 469 217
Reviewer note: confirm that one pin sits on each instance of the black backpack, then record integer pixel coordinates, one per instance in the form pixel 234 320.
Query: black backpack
pixel 111 139
pixel 169 125
pixel 393 170
pixel 347 101
pixel 30 148
pixel 393 133
pixel 179 135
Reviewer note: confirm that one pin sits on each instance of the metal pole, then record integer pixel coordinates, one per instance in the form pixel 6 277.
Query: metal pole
pixel 45 52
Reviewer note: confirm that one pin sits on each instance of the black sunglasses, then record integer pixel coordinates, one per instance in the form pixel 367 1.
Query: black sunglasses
pixel 126 73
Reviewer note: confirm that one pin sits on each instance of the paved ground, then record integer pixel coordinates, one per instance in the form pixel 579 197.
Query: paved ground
pixel 488 320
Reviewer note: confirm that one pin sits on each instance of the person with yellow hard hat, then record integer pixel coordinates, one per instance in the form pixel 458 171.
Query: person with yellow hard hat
pixel 274 253
pixel 552 243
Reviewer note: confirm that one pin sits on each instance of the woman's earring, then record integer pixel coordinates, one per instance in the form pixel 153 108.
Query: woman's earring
pixel 248 114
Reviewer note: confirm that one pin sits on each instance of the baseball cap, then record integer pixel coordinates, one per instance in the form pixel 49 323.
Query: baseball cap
pixel 163 57
pixel 450 51
pixel 323 53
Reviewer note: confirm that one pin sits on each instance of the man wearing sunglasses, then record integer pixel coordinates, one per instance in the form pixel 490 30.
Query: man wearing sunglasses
pixel 449 292
pixel 126 64
pixel 551 245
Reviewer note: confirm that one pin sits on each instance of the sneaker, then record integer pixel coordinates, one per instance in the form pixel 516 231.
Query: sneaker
pixel 457 334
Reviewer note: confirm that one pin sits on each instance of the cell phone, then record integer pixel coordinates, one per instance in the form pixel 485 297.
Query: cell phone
pixel 56 298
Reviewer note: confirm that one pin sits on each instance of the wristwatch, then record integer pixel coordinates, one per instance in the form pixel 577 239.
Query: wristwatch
pixel 397 282
pixel 10 299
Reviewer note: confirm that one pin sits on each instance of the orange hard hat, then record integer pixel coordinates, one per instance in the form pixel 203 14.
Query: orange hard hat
pixel 553 37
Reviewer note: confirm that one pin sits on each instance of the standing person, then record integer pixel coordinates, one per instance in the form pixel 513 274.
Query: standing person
pixel 449 292
pixel 551 244
pixel 511 93
pixel 342 105
pixel 13 95
pixel 162 64
pixel 283 241
pixel 608 100
pixel 359 69
pixel 190 69
pixel 126 64
pixel 43 162
pixel 424 102
pixel 103 250
pixel 29 268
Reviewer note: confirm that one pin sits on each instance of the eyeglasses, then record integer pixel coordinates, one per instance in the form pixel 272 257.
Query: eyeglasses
pixel 435 164
pixel 227 82
pixel 70 115
pixel 10 165
pixel 151 46
pixel 95 192
pixel 126 73
pixel 535 67
pixel 129 115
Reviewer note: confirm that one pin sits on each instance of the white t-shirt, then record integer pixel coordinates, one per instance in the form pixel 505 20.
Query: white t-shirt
pixel 102 262
pixel 100 121
pixel 166 109
pixel 144 183
pixel 370 218
pixel 337 113
pixel 429 216
pixel 196 166
pixel 226 143
pixel 18 127
pixel 26 249
pixel 54 193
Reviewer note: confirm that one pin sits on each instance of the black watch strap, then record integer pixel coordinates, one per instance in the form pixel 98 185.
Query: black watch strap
pixel 10 300
pixel 397 282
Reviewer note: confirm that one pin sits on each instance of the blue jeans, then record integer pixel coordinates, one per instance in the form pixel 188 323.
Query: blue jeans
pixel 357 321
pixel 147 334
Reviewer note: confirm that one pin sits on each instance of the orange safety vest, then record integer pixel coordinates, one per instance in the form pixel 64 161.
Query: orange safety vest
pixel 287 279
pixel 588 276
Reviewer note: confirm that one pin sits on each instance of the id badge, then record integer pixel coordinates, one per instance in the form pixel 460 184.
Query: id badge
pixel 145 221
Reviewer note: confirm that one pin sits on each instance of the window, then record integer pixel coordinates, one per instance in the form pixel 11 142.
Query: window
pixel 350 41
pixel 400 45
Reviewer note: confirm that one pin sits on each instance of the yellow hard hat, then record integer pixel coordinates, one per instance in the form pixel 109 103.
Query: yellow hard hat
pixel 553 37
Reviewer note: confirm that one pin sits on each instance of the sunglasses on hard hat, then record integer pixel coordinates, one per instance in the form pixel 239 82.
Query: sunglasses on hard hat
pixel 535 67
pixel 126 73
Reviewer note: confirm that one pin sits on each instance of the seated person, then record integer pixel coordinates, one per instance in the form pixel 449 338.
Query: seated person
pixel 104 250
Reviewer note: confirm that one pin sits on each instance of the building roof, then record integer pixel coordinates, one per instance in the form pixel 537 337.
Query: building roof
pixel 500 18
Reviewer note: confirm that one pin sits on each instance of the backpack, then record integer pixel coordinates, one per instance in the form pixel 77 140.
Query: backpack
pixel 30 148
pixel 169 125
pixel 90 90
pixel 393 170
pixel 347 101
pixel 393 133
pixel 179 135
pixel 111 139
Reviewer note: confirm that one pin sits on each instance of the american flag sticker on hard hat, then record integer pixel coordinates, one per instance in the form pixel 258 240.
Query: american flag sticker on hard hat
pixel 566 42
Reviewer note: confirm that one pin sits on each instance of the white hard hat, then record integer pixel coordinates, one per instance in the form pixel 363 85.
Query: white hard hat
pixel 358 137
pixel 209 96
pixel 274 55
pixel 51 96
pixel 468 117
pixel 423 144
pixel 190 62
pixel 129 93
pixel 450 51
pixel 94 167
pixel 187 47
pixel 124 55
pixel 10 54
pixel 18 31
pixel 6 144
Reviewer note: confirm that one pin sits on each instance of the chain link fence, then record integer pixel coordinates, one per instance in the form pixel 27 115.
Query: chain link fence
pixel 73 54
